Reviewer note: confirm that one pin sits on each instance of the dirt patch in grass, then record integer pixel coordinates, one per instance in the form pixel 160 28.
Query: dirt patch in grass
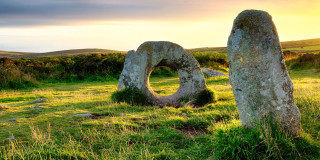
pixel 192 132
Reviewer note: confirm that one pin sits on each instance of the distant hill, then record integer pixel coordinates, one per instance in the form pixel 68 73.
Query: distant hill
pixel 309 45
pixel 70 52
pixel 12 53
pixel 218 49
pixel 300 43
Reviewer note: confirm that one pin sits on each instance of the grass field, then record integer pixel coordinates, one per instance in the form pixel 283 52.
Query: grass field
pixel 121 131
pixel 80 121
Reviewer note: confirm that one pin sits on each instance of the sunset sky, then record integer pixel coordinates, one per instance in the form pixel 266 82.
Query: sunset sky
pixel 48 25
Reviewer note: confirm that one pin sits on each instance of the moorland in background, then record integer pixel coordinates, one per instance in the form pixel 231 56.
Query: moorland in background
pixel 81 82
pixel 21 70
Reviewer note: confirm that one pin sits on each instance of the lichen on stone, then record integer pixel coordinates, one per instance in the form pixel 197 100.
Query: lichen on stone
pixel 257 72
pixel 146 47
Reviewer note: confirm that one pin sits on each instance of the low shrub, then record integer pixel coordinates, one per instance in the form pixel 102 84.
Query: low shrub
pixel 206 96
pixel 163 71
pixel 67 68
pixel 91 67
pixel 130 96
pixel 211 59
pixel 287 55
pixel 11 78
pixel 306 61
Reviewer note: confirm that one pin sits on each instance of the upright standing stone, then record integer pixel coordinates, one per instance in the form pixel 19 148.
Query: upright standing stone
pixel 258 74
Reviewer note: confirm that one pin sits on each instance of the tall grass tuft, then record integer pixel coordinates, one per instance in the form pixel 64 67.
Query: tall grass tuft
pixel 266 141
pixel 12 78
pixel 130 96
pixel 206 96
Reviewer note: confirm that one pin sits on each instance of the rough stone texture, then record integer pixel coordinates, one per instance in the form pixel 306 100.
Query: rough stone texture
pixel 40 100
pixel 258 74
pixel 212 73
pixel 139 65
pixel 83 115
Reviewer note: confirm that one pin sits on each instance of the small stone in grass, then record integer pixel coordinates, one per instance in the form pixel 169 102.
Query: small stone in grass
pixel 40 100
pixel 37 107
pixel 11 137
pixel 212 73
pixel 83 115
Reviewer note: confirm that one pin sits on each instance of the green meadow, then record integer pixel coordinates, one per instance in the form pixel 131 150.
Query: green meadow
pixel 80 120
pixel 122 131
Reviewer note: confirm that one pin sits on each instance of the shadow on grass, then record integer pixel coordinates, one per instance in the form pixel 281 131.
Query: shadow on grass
pixel 17 99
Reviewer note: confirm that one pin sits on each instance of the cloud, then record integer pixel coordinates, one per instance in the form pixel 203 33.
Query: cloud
pixel 40 12
pixel 64 12
pixel 57 12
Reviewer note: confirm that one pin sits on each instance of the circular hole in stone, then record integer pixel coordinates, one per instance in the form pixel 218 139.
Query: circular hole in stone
pixel 164 81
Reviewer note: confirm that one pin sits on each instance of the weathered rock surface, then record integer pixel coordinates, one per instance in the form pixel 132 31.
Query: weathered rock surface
pixel 83 115
pixel 212 73
pixel 139 65
pixel 41 100
pixel 257 73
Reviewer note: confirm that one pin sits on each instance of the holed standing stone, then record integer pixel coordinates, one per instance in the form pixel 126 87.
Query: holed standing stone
pixel 257 73
pixel 139 64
